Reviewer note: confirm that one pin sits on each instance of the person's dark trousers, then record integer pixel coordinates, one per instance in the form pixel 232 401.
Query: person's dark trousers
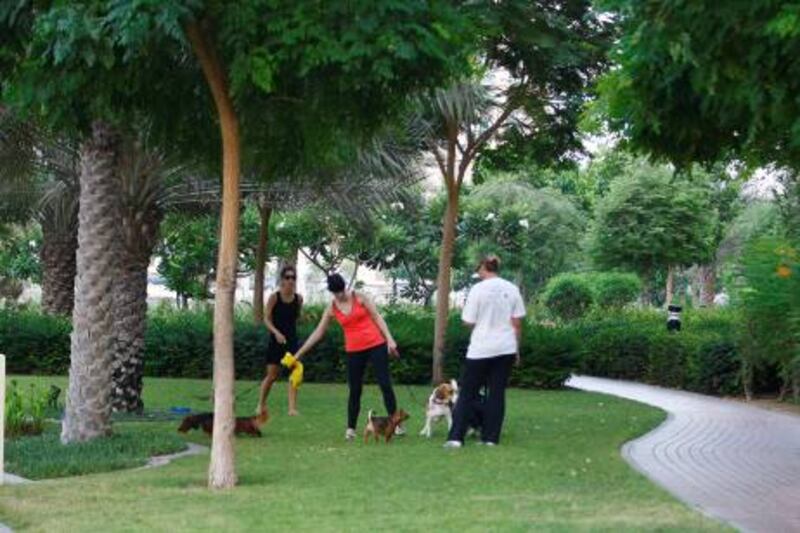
pixel 494 372
pixel 356 366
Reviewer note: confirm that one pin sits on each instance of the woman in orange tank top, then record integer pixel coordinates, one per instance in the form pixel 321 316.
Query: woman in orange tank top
pixel 366 338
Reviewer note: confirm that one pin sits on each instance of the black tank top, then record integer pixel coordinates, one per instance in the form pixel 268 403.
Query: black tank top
pixel 284 316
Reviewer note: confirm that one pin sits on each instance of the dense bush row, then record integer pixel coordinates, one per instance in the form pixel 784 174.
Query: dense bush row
pixel 621 344
pixel 179 344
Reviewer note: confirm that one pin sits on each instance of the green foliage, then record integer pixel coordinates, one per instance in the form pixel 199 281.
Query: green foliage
pixel 406 241
pixel 19 254
pixel 180 344
pixel 327 238
pixel 698 79
pixel 34 342
pixel 132 445
pixel 635 345
pixel 568 296
pixel 187 252
pixel 769 297
pixel 535 232
pixel 25 412
pixel 310 85
pixel 553 52
pixel 650 220
pixel 614 289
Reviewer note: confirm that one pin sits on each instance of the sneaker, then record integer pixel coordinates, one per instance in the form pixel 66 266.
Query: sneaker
pixel 488 443
pixel 399 431
pixel 350 434
pixel 453 444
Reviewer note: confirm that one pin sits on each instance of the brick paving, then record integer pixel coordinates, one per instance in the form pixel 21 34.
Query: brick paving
pixel 735 462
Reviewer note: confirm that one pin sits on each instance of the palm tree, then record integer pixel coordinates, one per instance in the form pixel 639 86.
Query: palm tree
pixel 144 178
pixel 88 408
pixel 39 181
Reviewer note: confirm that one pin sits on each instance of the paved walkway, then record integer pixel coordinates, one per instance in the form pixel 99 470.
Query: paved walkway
pixel 735 462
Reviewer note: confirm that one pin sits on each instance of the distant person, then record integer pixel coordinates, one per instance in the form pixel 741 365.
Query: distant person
pixel 494 310
pixel 283 310
pixel 366 339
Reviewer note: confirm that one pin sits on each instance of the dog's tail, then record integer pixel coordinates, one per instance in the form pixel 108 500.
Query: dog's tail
pixel 369 415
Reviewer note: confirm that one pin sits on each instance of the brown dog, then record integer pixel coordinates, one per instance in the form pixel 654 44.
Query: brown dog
pixel 244 424
pixel 383 425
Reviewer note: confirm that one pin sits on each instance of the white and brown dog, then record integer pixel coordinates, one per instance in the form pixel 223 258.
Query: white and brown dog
pixel 441 403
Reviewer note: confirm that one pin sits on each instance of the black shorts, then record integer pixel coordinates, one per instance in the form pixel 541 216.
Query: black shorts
pixel 276 351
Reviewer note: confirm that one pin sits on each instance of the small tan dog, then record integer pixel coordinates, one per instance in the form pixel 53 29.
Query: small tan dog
pixel 383 425
pixel 440 406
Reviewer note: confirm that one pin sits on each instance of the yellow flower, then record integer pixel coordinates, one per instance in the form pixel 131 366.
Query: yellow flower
pixel 784 271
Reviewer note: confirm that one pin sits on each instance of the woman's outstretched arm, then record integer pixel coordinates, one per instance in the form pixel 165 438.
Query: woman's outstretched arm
pixel 317 335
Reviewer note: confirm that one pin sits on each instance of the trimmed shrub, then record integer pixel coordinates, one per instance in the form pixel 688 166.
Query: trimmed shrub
pixel 568 296
pixel 624 344
pixel 180 344
pixel 614 289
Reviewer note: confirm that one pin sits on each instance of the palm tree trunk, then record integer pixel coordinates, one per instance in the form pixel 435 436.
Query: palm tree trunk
pixel 58 269
pixel 443 283
pixel 130 324
pixel 222 470
pixel 88 407
pixel 261 262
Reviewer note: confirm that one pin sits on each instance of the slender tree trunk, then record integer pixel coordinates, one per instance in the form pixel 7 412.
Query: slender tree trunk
pixel 88 407
pixel 222 470
pixel 355 275
pixel 58 268
pixel 265 213
pixel 707 279
pixel 670 285
pixel 443 283
pixel 130 324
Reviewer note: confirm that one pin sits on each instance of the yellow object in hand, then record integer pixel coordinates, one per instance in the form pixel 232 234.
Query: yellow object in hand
pixel 296 377
pixel 289 360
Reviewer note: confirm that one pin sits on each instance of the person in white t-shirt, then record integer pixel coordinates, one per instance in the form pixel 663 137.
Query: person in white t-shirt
pixel 494 310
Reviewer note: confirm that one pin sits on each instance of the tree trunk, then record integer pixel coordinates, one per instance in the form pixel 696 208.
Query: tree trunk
pixel 130 324
pixel 261 263
pixel 443 283
pixel 58 268
pixel 670 285
pixel 707 279
pixel 88 407
pixel 222 471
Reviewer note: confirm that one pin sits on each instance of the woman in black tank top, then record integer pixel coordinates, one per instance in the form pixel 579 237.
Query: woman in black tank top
pixel 283 310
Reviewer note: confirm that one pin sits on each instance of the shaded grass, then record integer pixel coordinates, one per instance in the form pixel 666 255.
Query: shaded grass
pixel 44 456
pixel 557 469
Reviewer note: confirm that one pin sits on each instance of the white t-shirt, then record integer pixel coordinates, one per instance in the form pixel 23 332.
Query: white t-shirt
pixel 491 305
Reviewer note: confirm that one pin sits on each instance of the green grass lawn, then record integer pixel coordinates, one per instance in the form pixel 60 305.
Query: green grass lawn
pixel 558 469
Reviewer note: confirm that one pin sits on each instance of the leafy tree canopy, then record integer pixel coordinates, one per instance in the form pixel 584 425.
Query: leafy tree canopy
pixel 699 79
pixel 649 220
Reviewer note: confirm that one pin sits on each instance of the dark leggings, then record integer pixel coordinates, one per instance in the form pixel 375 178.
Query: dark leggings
pixel 492 372
pixel 356 366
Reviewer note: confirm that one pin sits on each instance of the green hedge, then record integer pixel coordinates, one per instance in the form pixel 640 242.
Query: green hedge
pixel 623 344
pixel 635 345
pixel 179 344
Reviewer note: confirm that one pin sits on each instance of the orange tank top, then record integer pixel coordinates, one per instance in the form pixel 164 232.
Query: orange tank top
pixel 360 331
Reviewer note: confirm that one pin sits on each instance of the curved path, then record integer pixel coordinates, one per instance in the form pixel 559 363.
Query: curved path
pixel 732 461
